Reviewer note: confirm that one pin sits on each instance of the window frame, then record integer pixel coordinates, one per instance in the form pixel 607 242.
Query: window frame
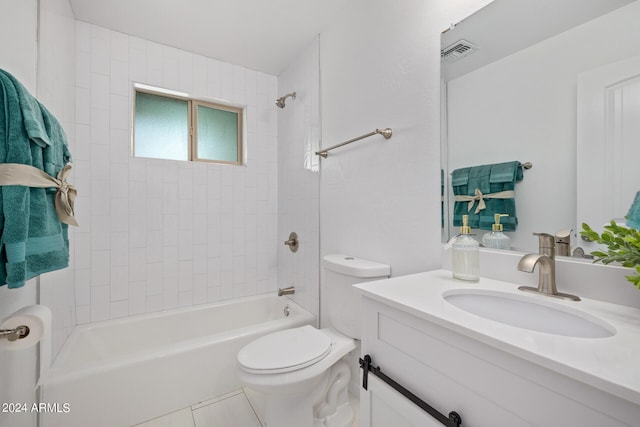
pixel 192 123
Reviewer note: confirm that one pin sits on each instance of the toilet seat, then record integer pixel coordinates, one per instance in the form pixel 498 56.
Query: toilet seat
pixel 285 351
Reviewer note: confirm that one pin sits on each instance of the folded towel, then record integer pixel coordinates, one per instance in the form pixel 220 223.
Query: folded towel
pixel 490 189
pixel 465 181
pixel 33 239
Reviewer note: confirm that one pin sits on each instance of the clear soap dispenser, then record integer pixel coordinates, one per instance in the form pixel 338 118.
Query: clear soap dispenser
pixel 466 254
pixel 497 239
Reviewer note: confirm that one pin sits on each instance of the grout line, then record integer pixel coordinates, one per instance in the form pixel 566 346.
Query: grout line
pixel 216 399
pixel 153 420
pixel 193 417
pixel 252 408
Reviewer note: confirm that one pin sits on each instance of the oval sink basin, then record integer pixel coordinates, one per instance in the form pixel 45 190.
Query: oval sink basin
pixel 523 312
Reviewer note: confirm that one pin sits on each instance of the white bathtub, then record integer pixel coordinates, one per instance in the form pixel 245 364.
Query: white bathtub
pixel 125 371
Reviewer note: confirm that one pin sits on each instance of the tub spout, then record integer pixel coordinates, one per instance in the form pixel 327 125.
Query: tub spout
pixel 286 291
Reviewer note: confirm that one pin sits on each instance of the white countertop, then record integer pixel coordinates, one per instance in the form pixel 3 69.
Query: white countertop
pixel 611 364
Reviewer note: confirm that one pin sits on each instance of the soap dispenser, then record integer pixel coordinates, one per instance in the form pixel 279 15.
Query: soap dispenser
pixel 497 239
pixel 466 254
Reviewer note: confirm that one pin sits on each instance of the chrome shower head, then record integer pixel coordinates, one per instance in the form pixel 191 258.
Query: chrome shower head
pixel 280 101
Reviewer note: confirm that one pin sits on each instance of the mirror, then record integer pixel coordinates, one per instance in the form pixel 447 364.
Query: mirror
pixel 511 91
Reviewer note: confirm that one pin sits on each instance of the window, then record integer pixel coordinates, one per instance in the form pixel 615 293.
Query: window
pixel 175 127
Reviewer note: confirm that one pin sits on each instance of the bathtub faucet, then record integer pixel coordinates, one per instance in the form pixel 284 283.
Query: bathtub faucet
pixel 286 291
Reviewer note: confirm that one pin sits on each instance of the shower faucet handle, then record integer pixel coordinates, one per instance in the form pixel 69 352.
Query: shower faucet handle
pixel 292 242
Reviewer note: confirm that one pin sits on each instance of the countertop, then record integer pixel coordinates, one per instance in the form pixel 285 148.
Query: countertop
pixel 610 364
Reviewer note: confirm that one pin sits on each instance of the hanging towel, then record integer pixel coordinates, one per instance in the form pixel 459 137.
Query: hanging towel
pixel 633 217
pixel 32 238
pixel 482 191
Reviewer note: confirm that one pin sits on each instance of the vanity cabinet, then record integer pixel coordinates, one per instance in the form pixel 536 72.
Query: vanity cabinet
pixel 478 377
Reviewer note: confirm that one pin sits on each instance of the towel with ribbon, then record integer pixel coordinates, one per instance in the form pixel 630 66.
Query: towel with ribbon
pixel 17 174
pixel 36 202
pixel 482 191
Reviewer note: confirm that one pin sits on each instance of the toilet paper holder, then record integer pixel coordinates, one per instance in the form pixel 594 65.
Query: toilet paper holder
pixel 14 334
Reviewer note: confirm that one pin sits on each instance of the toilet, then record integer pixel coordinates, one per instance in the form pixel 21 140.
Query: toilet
pixel 304 372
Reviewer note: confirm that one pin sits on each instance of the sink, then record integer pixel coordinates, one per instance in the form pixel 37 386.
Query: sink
pixel 527 313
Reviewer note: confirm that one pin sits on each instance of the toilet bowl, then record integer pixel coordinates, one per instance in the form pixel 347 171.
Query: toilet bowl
pixel 304 372
pixel 292 368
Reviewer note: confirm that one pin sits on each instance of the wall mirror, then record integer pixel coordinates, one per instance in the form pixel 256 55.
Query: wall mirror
pixel 555 83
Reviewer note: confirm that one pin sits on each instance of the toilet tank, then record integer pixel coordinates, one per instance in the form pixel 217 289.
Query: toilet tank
pixel 343 301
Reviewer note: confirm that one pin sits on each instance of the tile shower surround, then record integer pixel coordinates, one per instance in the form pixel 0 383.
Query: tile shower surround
pixel 160 234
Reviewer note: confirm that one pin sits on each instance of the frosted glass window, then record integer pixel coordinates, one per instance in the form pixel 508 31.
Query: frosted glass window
pixel 161 127
pixel 174 127
pixel 218 131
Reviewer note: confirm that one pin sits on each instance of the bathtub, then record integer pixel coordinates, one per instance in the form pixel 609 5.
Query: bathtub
pixel 125 371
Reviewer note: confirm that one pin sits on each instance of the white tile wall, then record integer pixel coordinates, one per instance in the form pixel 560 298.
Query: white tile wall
pixel 56 83
pixel 299 177
pixel 159 234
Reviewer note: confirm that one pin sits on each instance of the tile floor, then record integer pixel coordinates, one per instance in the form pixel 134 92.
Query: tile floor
pixel 234 409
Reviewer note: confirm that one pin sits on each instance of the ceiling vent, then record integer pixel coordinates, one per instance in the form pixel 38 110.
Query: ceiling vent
pixel 458 50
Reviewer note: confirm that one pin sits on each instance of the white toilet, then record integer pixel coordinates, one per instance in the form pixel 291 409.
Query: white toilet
pixel 303 371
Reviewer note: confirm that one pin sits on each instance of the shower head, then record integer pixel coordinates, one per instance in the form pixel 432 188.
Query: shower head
pixel 280 101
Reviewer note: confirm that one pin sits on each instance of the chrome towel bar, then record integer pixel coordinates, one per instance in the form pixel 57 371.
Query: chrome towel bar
pixel 384 132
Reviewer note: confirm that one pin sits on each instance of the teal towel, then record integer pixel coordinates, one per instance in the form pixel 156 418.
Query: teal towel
pixel 633 217
pixel 33 239
pixel 488 179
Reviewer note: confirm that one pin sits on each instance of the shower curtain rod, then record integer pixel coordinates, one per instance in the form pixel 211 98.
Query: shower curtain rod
pixel 384 132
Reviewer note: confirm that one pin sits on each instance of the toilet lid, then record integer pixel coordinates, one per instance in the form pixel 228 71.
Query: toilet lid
pixel 285 351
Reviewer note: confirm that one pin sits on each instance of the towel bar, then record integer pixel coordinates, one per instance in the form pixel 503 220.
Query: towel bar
pixel 453 420
pixel 384 132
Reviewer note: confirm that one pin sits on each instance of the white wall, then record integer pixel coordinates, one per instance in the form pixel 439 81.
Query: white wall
pixel 158 234
pixel 380 199
pixel 299 176
pixel 56 90
pixel 523 107
pixel 376 202
pixel 18 23
pixel 380 67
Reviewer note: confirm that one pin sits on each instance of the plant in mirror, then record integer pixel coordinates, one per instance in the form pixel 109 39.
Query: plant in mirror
pixel 523 80
pixel 623 247
pixel 621 240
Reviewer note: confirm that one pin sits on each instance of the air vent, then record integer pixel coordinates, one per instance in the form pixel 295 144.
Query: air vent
pixel 458 50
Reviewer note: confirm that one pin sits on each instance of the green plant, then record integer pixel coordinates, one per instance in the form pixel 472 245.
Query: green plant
pixel 623 247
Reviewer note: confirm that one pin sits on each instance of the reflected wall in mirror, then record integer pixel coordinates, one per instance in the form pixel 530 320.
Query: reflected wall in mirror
pixel 515 97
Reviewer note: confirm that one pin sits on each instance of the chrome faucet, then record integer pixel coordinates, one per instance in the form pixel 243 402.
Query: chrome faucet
pixel 286 291
pixel 547 269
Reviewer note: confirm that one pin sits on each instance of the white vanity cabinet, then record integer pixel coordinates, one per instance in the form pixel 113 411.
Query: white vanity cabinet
pixel 485 380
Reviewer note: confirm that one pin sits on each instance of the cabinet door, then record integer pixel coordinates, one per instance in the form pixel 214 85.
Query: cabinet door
pixel 484 384
pixel 382 406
